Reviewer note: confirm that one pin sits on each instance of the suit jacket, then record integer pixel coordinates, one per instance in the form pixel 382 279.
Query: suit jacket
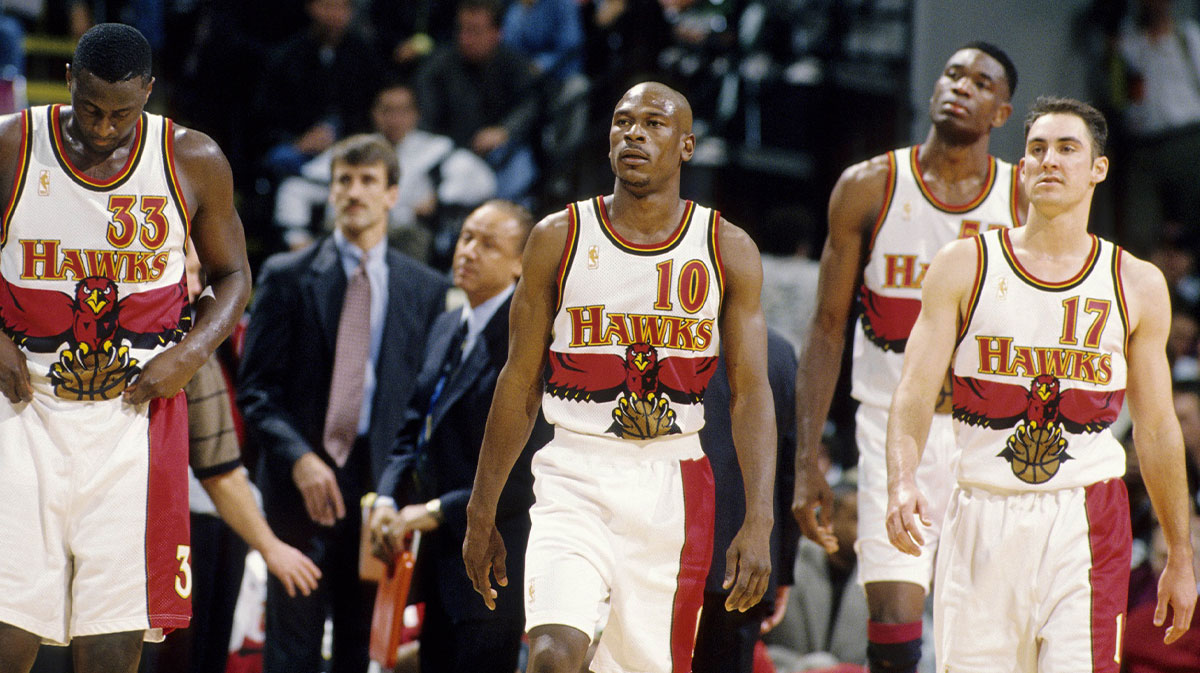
pixel 447 469
pixel 716 438
pixel 288 362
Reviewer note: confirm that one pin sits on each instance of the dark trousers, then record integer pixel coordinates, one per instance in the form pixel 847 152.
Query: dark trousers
pixel 295 625
pixel 725 640
pixel 477 646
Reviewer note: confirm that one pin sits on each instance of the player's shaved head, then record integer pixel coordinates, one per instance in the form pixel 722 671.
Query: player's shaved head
pixel 660 95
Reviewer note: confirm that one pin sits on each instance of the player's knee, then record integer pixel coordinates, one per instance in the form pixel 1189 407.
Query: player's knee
pixel 893 648
pixel 552 653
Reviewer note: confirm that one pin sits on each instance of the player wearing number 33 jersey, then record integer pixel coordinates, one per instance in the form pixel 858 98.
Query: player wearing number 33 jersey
pixel 91 288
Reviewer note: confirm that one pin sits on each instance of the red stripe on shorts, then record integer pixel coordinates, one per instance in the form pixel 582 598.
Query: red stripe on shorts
pixel 168 549
pixel 699 510
pixel 1110 539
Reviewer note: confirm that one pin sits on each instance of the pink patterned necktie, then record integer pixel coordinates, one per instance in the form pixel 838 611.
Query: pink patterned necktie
pixel 349 367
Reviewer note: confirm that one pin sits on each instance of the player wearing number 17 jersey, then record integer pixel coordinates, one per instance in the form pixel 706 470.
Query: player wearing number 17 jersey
pixel 616 324
pixel 1049 329
pixel 101 200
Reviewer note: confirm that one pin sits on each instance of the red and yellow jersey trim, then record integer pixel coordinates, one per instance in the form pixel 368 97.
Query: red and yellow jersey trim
pixel 889 191
pixel 1024 274
pixel 83 179
pixel 173 175
pixel 568 254
pixel 715 246
pixel 19 176
pixel 1119 288
pixel 942 205
pixel 976 287
pixel 638 248
pixel 1015 198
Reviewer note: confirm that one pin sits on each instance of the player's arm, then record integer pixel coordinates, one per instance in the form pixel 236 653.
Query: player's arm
pixel 752 413
pixel 944 294
pixel 14 370
pixel 516 401
pixel 216 230
pixel 230 492
pixel 853 210
pixel 1157 437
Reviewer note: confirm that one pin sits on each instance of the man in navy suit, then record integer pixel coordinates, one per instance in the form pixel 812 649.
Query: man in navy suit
pixel 435 455
pixel 725 640
pixel 324 421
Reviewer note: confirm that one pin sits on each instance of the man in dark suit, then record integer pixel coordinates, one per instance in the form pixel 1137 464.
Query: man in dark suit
pixel 435 456
pixel 332 354
pixel 725 640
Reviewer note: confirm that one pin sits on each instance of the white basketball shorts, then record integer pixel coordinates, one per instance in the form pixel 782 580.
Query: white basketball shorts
pixel 1033 582
pixel 94 522
pixel 878 559
pixel 626 528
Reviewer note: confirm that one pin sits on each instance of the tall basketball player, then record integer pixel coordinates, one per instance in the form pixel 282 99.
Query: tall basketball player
pixel 887 218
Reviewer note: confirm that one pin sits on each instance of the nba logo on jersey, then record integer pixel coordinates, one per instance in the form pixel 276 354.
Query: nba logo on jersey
pixel 594 257
pixel 44 183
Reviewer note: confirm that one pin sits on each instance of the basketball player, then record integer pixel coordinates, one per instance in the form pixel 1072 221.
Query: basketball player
pixel 620 300
pixel 1047 329
pixel 94 544
pixel 887 218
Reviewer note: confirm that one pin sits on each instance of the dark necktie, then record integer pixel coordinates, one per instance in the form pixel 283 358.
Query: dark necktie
pixel 450 366
pixel 349 367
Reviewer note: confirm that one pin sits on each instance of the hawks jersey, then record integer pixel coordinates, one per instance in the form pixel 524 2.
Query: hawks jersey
pixel 1039 372
pixel 912 226
pixel 92 271
pixel 635 337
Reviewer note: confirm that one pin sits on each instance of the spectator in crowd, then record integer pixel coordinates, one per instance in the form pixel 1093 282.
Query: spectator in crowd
pixel 331 356
pixel 790 274
pixel 407 31
pixel 1187 409
pixel 826 618
pixel 549 32
pixel 484 96
pixel 1144 649
pixel 317 88
pixel 434 459
pixel 437 180
pixel 1162 119
pixel 726 640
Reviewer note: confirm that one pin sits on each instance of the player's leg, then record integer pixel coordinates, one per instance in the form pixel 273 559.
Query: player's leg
pixel 557 648
pixel 18 649
pixel 108 653
pixel 896 583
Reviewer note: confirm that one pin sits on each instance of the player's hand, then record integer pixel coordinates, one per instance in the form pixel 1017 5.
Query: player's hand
pixel 781 600
pixel 812 505
pixel 290 566
pixel 14 372
pixel 1177 589
pixel 488 139
pixel 748 566
pixel 907 511
pixel 318 485
pixel 484 555
pixel 162 376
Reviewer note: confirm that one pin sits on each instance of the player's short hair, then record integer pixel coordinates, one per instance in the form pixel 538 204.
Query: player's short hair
pixel 365 149
pixel 114 52
pixel 1092 118
pixel 1010 68
pixel 520 213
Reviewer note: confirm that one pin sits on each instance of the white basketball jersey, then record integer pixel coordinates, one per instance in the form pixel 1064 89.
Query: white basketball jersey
pixel 635 335
pixel 912 226
pixel 1039 372
pixel 92 271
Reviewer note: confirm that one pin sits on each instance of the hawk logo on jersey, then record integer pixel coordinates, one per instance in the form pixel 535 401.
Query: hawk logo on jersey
pixel 643 385
pixel 98 328
pixel 1040 414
